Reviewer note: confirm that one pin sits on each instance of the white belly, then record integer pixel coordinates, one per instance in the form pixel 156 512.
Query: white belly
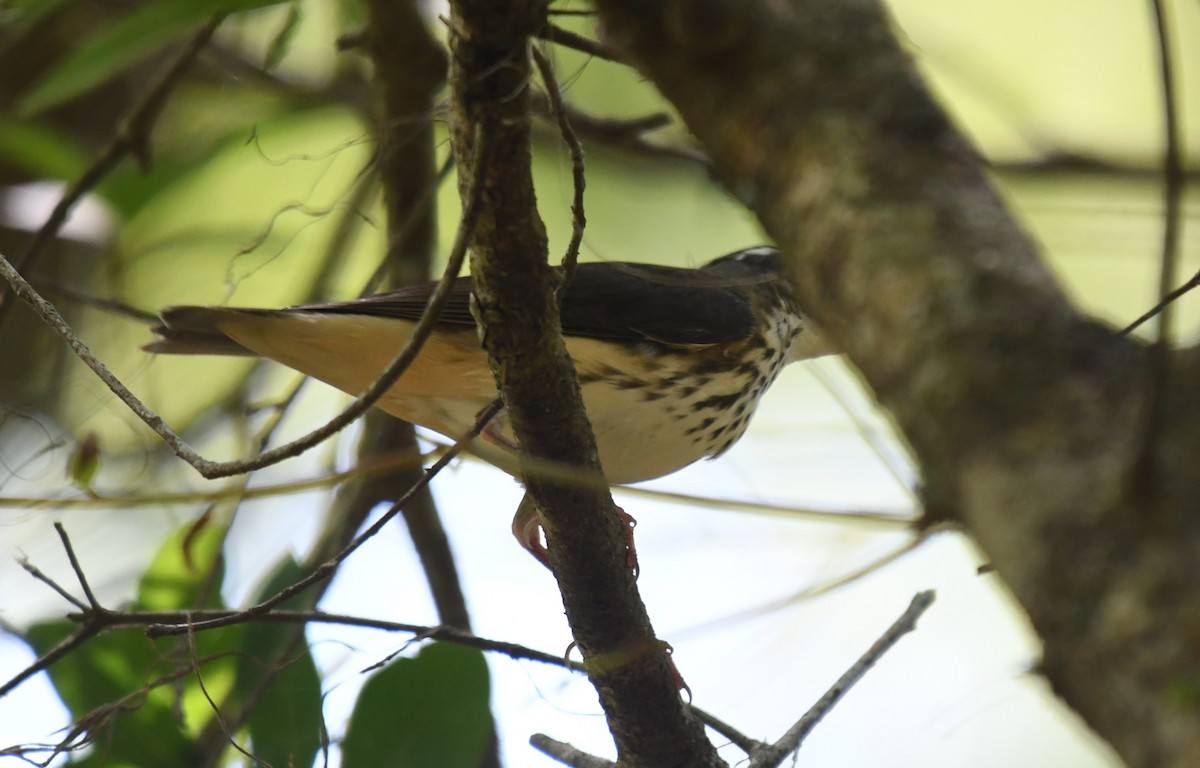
pixel 649 416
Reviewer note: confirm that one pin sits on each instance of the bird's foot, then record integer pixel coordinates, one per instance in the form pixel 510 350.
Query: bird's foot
pixel 631 558
pixel 527 529
pixel 493 434
pixel 668 653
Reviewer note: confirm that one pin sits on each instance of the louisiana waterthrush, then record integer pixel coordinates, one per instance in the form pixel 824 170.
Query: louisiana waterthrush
pixel 672 362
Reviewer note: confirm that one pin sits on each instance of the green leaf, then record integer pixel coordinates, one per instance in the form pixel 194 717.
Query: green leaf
pixel 40 150
pixel 430 711
pixel 282 41
pixel 29 11
pixel 126 41
pixel 108 678
pixel 186 572
pixel 285 724
pixel 102 679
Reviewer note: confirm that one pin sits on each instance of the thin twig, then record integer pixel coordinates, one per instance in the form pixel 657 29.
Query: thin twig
pixel 872 519
pixel 327 568
pixel 50 285
pixel 870 436
pixel 1159 363
pixel 212 469
pixel 403 359
pixel 773 755
pixel 196 621
pixel 735 737
pixel 131 137
pixel 1173 183
pixel 579 179
pixel 568 39
pixel 47 659
pixel 218 715
pixel 567 754
pixel 611 130
pixel 366 468
pixel 97 618
pixel 36 573
pixel 1172 174
pixel 83 731
pixel 51 317
pixel 1157 309
pixel 411 220
pixel 83 582
pixel 824 587
pixel 626 133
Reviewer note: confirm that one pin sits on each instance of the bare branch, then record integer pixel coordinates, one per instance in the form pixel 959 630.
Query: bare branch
pixel 515 306
pixel 1169 298
pixel 415 214
pixel 567 754
pixel 36 573
pixel 1173 185
pixel 197 621
pixel 626 133
pixel 736 737
pixel 52 286
pixel 218 714
pixel 81 733
pixel 774 755
pixel 326 569
pixel 211 469
pixel 83 582
pixel 1173 175
pixel 48 659
pixel 579 180
pixel 868 518
pixel 569 39
pixel 368 468
pixel 1027 417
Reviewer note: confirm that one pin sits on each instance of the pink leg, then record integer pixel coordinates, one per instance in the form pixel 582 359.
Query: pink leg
pixel 669 652
pixel 494 433
pixel 630 549
pixel 528 531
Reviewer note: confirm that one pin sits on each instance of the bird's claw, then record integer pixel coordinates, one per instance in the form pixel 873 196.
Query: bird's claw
pixel 527 529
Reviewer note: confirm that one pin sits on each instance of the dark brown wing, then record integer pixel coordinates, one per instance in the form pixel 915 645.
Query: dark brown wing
pixel 607 300
pixel 405 303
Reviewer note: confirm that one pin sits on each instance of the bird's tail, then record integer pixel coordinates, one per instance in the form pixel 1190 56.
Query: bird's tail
pixel 195 331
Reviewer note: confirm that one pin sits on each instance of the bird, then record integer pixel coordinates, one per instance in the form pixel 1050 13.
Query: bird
pixel 671 361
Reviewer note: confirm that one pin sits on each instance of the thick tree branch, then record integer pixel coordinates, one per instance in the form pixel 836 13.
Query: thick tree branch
pixel 1026 417
pixel 516 308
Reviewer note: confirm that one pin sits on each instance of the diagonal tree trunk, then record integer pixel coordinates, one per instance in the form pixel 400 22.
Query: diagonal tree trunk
pixel 1030 421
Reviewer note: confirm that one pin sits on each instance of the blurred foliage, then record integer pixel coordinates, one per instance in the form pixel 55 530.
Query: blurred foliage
pixel 447 725
pixel 121 684
pixel 119 44
pixel 261 191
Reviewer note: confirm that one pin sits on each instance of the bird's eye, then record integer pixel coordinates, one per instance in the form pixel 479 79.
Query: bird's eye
pixel 754 253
